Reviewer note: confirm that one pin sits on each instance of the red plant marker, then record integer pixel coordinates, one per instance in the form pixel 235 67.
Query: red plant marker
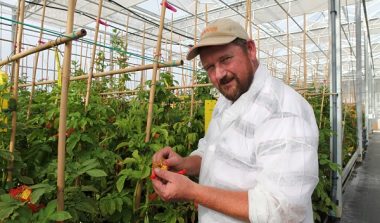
pixel 153 176
pixel 168 6
pixel 182 172
pixel 103 22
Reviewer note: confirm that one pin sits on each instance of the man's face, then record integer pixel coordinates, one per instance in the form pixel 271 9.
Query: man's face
pixel 230 68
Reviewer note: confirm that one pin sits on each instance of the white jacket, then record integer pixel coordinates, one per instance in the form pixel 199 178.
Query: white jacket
pixel 265 143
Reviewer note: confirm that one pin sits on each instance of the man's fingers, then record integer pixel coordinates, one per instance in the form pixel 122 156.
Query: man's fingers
pixel 162 154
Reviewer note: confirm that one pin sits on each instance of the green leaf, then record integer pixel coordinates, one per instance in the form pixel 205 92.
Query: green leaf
pixel 60 216
pixel 121 145
pixel 89 188
pixel 136 155
pixel 103 207
pixel 86 138
pixel 120 183
pixel 86 206
pixel 111 207
pixel 26 180
pixel 6 212
pixel 72 142
pixel 119 204
pixel 96 173
pixel 51 207
pixel 36 195
pixel 129 160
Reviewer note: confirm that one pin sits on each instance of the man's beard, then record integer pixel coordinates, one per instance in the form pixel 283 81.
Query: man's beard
pixel 232 88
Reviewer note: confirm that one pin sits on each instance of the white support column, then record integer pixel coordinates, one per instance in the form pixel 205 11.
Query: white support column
pixel 335 70
pixel 359 79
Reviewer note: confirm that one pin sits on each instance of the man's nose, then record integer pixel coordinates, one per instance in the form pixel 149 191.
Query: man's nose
pixel 220 72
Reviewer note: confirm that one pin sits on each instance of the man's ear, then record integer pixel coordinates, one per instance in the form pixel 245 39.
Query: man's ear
pixel 251 49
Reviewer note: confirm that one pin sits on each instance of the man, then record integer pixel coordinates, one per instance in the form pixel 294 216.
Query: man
pixel 258 161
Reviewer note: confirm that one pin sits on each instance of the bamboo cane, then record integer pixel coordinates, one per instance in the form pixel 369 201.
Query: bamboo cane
pixel 91 71
pixel 14 41
pixel 142 78
pixel 126 44
pixel 81 53
pixel 206 14
pixel 15 88
pixel 271 62
pixel 322 103
pixel 138 189
pixel 258 43
pixel 126 33
pixel 195 59
pixel 250 19
pixel 246 17
pixel 48 45
pixel 171 44
pixel 63 109
pixel 154 73
pixel 85 58
pixel 113 72
pixel 47 67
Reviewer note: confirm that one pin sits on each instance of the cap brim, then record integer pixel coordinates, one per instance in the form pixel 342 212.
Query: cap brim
pixel 213 41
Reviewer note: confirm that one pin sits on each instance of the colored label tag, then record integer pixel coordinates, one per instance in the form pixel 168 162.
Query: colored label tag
pixel 209 108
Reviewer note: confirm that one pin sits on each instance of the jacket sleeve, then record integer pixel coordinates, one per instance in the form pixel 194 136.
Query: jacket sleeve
pixel 286 152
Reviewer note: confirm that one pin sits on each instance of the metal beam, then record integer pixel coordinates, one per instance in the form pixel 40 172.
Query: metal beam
pixel 300 27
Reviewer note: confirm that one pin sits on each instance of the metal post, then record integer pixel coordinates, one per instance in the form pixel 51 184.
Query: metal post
pixel 358 29
pixel 335 100
pixel 366 81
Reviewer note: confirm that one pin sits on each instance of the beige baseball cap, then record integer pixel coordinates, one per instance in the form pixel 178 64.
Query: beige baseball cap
pixel 219 32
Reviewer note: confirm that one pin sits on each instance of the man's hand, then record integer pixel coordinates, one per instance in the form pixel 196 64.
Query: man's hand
pixel 168 157
pixel 172 186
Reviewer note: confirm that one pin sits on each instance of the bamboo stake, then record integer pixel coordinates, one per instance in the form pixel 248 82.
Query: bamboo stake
pixel 250 19
pixel 154 73
pixel 47 68
pixel 85 58
pixel 73 36
pixel 322 104
pixel 15 88
pixel 63 109
pixel 206 14
pixel 304 52
pixel 91 71
pixel 171 44
pixel 195 59
pixel 113 72
pixel 142 78
pixel 258 44
pixel 14 42
pixel 81 53
pixel 271 62
pixel 126 44
pixel 246 13
pixel 182 71
pixel 290 64
pixel 126 33
pixel 42 66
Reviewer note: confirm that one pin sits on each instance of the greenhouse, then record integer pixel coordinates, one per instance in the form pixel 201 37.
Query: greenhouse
pixel 108 114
